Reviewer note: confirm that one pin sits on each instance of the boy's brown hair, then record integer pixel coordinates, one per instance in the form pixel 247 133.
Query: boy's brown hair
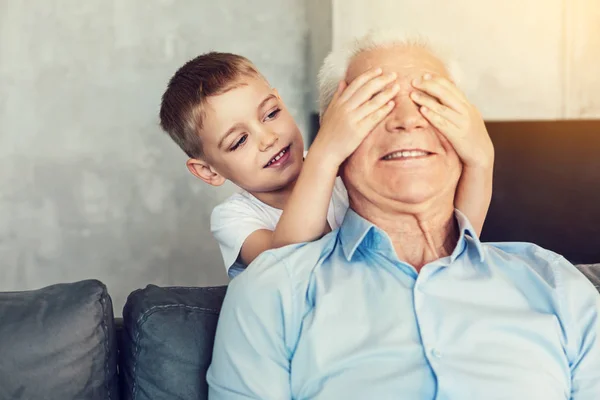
pixel 181 110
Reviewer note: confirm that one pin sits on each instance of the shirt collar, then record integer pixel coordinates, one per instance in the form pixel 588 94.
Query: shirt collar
pixel 355 230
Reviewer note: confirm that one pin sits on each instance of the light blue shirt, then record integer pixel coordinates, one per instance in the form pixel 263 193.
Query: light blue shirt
pixel 344 318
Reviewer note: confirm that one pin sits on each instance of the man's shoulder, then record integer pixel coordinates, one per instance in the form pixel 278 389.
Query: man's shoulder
pixel 521 250
pixel 289 265
pixel 552 267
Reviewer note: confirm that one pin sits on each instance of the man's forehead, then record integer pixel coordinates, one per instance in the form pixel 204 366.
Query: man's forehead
pixel 405 61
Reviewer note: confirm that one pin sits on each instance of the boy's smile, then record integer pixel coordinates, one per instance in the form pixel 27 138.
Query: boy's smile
pixel 280 159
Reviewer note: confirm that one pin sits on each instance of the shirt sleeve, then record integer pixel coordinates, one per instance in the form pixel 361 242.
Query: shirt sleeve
pixel 251 359
pixel 581 302
pixel 231 223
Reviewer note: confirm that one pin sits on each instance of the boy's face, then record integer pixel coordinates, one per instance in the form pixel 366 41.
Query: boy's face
pixel 250 138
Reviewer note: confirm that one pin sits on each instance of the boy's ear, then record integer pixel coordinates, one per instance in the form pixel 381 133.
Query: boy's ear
pixel 202 170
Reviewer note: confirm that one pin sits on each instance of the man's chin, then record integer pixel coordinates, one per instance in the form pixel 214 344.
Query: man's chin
pixel 412 195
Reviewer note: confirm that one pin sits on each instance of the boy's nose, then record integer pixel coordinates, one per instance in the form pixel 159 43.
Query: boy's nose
pixel 267 139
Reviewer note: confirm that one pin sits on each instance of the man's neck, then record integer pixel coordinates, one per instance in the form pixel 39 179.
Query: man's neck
pixel 419 236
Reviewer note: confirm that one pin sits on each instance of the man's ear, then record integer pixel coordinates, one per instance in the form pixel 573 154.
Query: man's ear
pixel 202 170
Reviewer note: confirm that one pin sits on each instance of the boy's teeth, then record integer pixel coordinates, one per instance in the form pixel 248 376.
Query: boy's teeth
pixel 406 154
pixel 277 157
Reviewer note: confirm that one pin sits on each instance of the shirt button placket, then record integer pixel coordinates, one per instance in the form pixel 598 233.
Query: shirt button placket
pixel 432 352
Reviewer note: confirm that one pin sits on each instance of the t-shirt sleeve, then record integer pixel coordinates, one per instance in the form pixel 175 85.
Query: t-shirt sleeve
pixel 231 223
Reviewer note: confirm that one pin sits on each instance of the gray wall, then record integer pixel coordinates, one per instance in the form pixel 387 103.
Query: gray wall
pixel 90 187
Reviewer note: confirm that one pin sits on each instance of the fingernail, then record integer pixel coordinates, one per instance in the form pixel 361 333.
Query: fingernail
pixel 416 81
pixel 424 109
pixel 378 71
pixel 393 75
pixel 396 87
pixel 414 95
pixel 427 77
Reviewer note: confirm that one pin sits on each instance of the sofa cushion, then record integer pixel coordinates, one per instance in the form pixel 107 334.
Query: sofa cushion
pixel 592 272
pixel 58 343
pixel 167 342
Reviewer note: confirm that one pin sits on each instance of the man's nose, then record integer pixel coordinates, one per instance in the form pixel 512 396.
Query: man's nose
pixel 267 138
pixel 405 116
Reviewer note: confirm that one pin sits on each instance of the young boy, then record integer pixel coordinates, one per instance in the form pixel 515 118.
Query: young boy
pixel 223 113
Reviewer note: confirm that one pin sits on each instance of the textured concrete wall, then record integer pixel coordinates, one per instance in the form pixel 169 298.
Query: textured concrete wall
pixel 320 33
pixel 90 187
pixel 532 59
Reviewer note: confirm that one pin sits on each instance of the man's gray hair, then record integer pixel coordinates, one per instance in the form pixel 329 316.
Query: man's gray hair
pixel 337 61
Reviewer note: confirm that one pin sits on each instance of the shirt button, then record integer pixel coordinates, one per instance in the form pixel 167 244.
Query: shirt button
pixel 436 353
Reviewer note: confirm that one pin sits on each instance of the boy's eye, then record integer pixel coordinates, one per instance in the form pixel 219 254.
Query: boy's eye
pixel 273 114
pixel 240 142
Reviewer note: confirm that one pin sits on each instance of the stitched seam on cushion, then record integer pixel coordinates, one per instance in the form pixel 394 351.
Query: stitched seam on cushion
pixel 202 289
pixel 106 347
pixel 142 320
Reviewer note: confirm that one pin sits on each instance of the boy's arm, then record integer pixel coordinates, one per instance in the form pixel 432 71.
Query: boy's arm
pixel 474 194
pixel 257 242
pixel 304 217
pixel 449 111
pixel 305 213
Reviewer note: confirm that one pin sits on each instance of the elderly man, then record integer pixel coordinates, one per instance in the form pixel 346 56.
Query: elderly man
pixel 404 301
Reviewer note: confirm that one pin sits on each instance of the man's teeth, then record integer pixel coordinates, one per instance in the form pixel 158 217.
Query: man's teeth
pixel 277 157
pixel 406 154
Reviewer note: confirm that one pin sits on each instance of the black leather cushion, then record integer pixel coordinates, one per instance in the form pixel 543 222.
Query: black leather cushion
pixel 167 342
pixel 546 187
pixel 58 343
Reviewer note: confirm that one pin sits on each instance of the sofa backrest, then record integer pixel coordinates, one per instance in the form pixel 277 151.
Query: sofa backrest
pixel 167 342
pixel 58 343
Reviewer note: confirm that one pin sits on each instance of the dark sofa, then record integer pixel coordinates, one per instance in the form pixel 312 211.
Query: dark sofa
pixel 62 342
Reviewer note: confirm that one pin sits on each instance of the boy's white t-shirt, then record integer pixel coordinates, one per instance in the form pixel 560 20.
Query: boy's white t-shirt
pixel 241 214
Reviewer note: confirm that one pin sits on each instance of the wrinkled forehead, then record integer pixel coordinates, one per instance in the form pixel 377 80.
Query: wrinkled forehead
pixel 407 62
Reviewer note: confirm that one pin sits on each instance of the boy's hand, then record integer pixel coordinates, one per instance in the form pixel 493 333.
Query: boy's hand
pixel 448 110
pixel 354 111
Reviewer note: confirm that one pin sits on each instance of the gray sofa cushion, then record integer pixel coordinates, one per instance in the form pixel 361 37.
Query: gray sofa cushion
pixel 592 272
pixel 58 343
pixel 167 342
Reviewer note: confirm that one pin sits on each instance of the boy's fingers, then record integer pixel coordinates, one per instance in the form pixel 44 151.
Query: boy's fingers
pixel 448 84
pixel 446 128
pixel 445 94
pixel 372 120
pixel 429 102
pixel 340 89
pixel 369 90
pixel 378 101
pixel 452 87
pixel 360 81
